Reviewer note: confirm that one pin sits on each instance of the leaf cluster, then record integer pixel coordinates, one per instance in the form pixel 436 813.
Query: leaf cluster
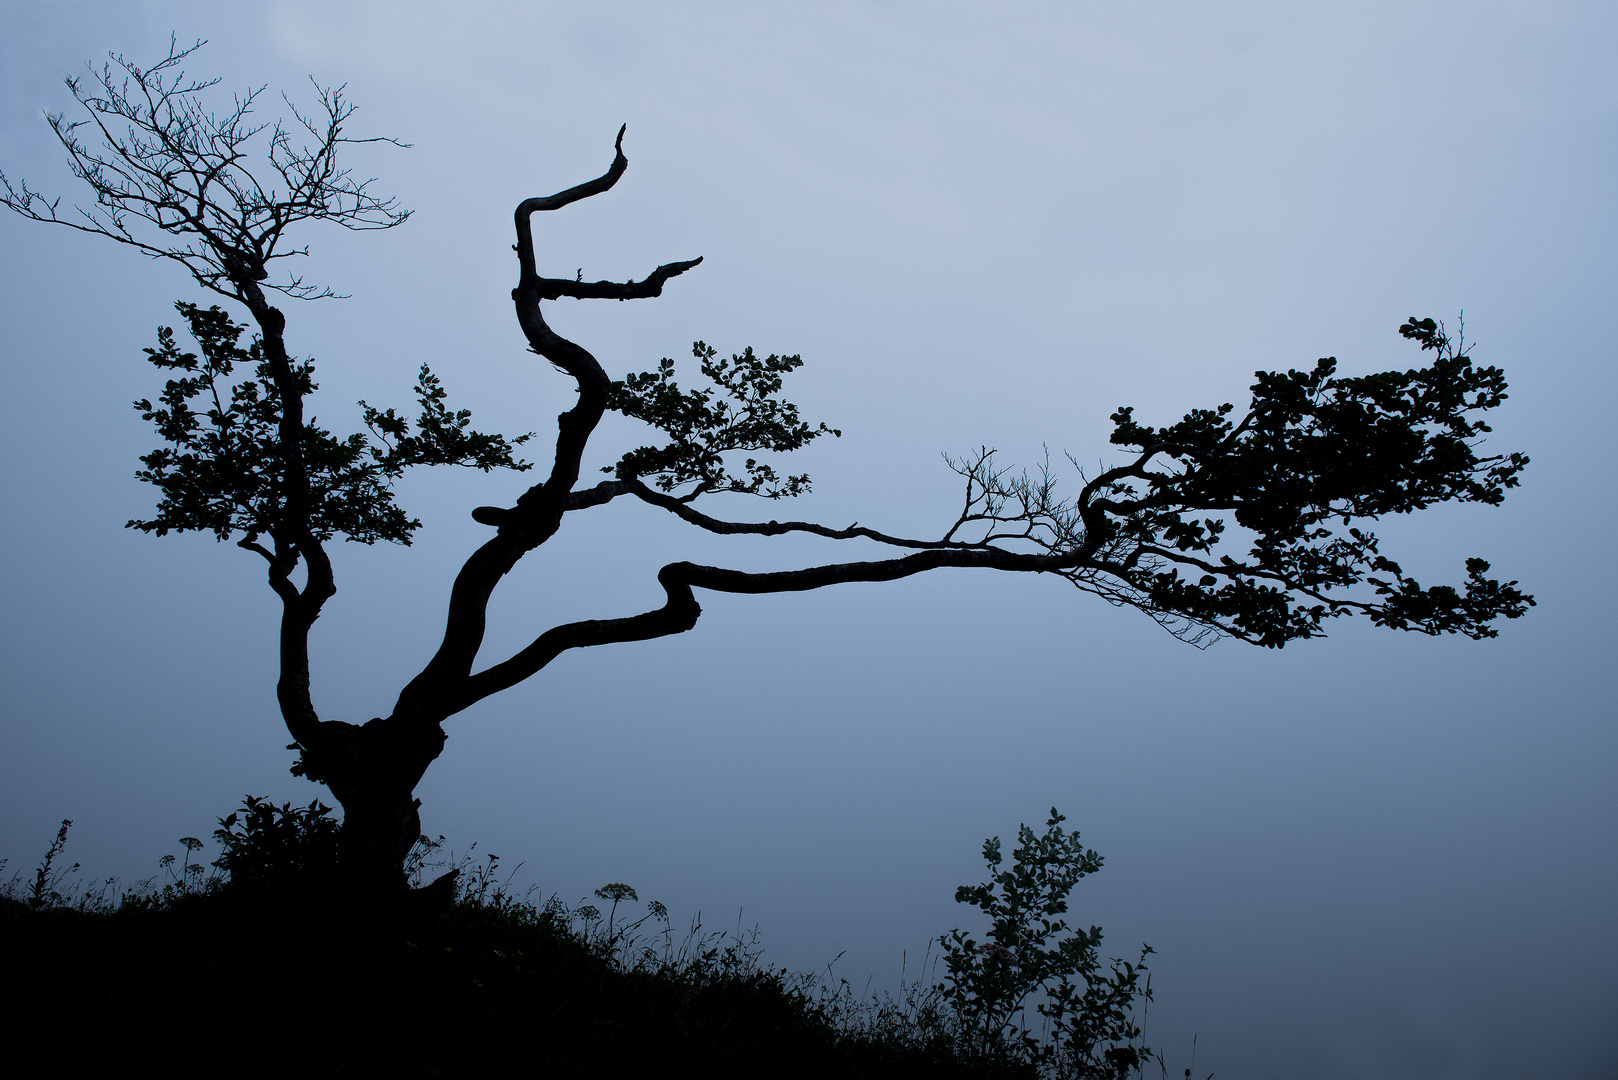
pixel 1315 456
pixel 740 412
pixel 223 469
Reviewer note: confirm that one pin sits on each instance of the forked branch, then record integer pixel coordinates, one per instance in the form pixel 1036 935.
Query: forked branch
pixel 538 512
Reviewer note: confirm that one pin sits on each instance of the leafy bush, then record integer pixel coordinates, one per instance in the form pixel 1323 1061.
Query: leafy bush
pixel 1031 957
pixel 269 848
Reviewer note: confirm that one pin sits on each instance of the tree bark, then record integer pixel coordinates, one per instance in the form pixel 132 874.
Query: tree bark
pixel 373 770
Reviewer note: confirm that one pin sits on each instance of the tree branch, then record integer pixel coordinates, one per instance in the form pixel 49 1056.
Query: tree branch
pixel 647 287
pixel 529 207
pixel 685 512
pixel 681 611
pixel 538 513
pixel 188 172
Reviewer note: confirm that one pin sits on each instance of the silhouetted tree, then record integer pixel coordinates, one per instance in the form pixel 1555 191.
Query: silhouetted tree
pixel 1298 472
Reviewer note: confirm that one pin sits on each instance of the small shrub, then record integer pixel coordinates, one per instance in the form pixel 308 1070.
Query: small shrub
pixel 269 848
pixel 1032 957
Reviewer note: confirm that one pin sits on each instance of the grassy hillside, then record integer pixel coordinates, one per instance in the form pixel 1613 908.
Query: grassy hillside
pixel 261 967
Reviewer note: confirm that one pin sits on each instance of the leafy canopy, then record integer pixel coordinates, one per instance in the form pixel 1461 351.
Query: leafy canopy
pixel 1315 458
pixel 223 468
pixel 702 430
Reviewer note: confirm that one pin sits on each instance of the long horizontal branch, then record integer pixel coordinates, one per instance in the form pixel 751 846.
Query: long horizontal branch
pixel 681 611
pixel 608 490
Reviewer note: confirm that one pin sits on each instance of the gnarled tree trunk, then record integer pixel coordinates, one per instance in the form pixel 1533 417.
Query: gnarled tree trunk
pixel 373 770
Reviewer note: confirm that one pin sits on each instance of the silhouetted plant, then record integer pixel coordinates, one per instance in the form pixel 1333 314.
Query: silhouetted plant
pixel 215 475
pixel 272 848
pixel 51 886
pixel 1031 956
pixel 46 889
pixel 190 877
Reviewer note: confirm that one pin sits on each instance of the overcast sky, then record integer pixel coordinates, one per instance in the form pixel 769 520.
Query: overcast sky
pixel 1372 855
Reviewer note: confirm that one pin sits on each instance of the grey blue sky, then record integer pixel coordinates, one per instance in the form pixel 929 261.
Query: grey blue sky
pixel 1373 855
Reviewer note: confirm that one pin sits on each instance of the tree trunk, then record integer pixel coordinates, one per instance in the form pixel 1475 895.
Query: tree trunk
pixel 372 770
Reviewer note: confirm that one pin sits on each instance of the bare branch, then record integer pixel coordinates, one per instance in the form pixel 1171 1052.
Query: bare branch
pixel 686 512
pixel 538 513
pixel 168 164
pixel 649 286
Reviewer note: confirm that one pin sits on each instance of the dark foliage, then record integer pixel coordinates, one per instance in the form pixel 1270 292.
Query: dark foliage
pixel 277 849
pixel 224 470
pixel 1087 1028
pixel 1313 458
pixel 702 431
